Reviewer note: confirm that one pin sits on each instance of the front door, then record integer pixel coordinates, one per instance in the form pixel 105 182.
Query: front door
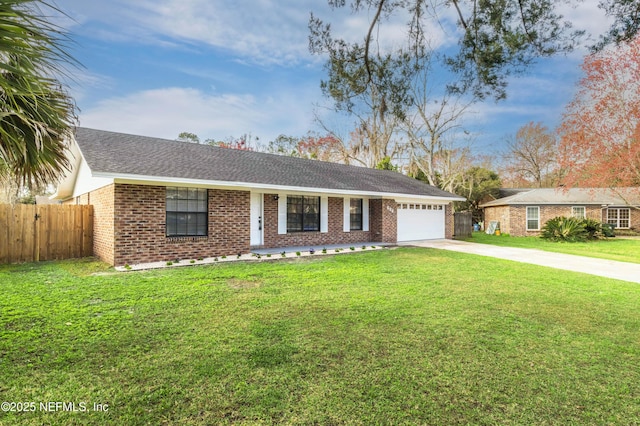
pixel 256 219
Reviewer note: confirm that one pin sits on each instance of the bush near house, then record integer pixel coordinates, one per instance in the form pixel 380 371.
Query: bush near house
pixel 571 229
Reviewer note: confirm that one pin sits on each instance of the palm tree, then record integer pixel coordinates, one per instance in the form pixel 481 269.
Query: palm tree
pixel 36 114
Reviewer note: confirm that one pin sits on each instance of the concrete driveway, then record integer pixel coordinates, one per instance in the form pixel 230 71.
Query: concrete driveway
pixel 588 265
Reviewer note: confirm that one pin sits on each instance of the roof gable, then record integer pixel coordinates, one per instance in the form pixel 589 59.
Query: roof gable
pixel 117 154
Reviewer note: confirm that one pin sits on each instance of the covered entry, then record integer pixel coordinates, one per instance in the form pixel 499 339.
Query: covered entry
pixel 419 221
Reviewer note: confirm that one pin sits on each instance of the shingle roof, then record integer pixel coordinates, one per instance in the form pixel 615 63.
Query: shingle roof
pixel 574 196
pixel 110 153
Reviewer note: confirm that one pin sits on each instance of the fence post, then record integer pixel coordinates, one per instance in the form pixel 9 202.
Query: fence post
pixel 36 237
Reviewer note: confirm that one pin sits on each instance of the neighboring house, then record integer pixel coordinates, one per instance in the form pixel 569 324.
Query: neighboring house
pixel 526 211
pixel 158 200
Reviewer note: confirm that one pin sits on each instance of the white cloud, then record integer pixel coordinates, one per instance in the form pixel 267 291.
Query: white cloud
pixel 82 82
pixel 273 31
pixel 267 31
pixel 167 112
pixel 586 16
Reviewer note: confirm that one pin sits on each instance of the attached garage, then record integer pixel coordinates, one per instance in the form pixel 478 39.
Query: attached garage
pixel 420 221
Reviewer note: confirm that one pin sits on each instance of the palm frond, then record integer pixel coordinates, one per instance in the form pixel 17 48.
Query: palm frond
pixel 36 113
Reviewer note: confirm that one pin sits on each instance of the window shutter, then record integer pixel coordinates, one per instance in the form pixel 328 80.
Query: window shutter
pixel 346 216
pixel 282 214
pixel 365 214
pixel 324 214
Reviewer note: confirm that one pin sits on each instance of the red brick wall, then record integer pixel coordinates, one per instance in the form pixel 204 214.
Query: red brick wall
pixel 448 221
pixel 129 225
pixel 513 219
pixel 103 222
pixel 335 234
pixel 635 219
pixel 383 220
pixel 102 200
pixel 140 231
pixel 501 214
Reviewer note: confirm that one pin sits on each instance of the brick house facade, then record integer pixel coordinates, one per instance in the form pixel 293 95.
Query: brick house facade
pixel 129 225
pixel 137 185
pixel 541 205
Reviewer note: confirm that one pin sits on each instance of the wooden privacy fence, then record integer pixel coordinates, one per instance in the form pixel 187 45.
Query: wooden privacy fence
pixel 462 225
pixel 45 232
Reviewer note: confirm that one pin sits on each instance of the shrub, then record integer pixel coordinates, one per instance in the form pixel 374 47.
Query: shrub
pixel 593 228
pixel 608 230
pixel 567 229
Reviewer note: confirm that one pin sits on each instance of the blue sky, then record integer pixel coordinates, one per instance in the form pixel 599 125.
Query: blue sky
pixel 222 68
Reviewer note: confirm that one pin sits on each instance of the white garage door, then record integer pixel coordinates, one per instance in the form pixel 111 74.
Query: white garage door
pixel 420 221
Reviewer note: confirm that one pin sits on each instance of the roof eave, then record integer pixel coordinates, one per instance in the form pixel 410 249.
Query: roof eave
pixel 248 186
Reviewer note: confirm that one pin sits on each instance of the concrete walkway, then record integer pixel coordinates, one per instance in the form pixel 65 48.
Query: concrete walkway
pixel 601 267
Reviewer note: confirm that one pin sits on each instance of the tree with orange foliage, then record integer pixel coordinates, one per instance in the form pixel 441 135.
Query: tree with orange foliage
pixel 324 148
pixel 243 143
pixel 600 132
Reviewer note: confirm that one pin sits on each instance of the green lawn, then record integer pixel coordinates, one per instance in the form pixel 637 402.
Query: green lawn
pixel 622 249
pixel 405 336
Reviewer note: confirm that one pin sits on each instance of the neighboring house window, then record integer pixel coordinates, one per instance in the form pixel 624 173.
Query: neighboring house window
pixel 533 218
pixel 186 212
pixel 303 213
pixel 355 214
pixel 579 212
pixel 618 217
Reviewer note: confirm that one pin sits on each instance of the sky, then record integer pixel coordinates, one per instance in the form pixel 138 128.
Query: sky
pixel 226 68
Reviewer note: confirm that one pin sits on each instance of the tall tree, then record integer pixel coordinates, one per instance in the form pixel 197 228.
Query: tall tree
pixel 452 164
pixel 431 123
pixel 324 148
pixel 188 137
pixel 600 132
pixel 37 115
pixel 284 145
pixel 495 40
pixel 532 156
pixel 626 21
pixel 377 108
pixel 478 185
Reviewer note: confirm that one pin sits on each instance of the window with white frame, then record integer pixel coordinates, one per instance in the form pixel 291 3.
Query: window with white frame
pixel 579 212
pixel 533 218
pixel 303 213
pixel 355 214
pixel 619 217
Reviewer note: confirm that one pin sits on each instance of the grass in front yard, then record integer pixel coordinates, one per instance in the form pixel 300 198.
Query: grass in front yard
pixel 621 249
pixel 413 336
